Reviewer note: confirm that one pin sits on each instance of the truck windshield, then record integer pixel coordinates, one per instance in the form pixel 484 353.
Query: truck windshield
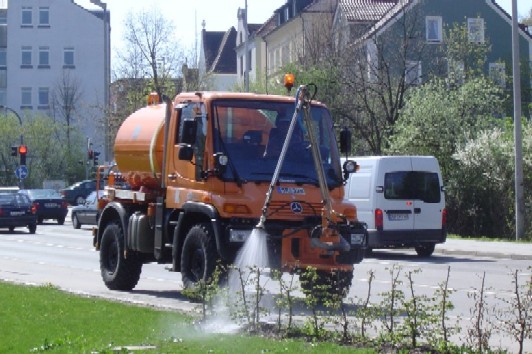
pixel 252 134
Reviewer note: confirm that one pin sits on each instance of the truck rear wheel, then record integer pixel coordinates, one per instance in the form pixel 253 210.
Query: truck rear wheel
pixel 425 250
pixel 118 272
pixel 326 284
pixel 199 255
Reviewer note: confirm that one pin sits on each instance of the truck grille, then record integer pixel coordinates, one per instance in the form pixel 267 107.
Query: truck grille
pixel 291 209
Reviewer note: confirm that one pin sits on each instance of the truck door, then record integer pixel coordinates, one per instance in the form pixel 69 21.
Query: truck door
pixel 395 199
pixel 189 132
pixel 429 201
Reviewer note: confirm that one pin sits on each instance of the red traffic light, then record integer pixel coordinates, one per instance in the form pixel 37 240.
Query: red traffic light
pixel 23 149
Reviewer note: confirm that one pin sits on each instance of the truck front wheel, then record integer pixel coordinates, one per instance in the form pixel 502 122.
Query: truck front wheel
pixel 118 272
pixel 199 255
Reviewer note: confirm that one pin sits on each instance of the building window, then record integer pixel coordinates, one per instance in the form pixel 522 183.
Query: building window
pixel 3 57
pixel 25 97
pixel 456 71
pixel 3 17
pixel 3 97
pixel 3 78
pixel 26 57
pixel 44 57
pixel 241 59
pixel 250 61
pixel 68 57
pixel 44 16
pixel 433 29
pixel 475 30
pixel 271 62
pixel 497 72
pixel 413 73
pixel 285 54
pixel 44 97
pixel 27 17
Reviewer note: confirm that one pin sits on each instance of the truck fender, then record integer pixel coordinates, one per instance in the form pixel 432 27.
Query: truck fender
pixel 112 212
pixel 196 212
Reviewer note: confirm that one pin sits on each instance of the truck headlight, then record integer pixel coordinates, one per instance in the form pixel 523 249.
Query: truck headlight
pixel 357 239
pixel 238 235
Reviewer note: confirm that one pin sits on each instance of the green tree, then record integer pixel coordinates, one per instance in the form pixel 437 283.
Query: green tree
pixel 439 117
pixel 49 156
pixel 483 187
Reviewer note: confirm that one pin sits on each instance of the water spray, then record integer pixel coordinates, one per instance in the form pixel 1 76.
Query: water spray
pixel 301 95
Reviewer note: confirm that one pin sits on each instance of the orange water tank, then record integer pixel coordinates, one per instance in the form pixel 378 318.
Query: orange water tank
pixel 139 146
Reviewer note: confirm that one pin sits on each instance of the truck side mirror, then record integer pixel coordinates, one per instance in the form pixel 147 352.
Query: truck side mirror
pixel 345 141
pixel 185 152
pixel 188 132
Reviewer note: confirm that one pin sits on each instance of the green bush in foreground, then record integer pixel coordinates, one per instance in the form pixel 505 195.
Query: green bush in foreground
pixel 45 319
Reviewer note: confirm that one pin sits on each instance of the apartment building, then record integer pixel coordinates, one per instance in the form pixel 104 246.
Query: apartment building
pixel 54 54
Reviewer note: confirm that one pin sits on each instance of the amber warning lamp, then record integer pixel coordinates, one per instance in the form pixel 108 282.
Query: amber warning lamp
pixel 153 99
pixel 289 81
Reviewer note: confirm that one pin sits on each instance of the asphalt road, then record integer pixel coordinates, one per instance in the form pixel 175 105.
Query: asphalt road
pixel 64 257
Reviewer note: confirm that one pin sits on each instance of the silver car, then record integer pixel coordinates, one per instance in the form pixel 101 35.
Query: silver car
pixel 87 213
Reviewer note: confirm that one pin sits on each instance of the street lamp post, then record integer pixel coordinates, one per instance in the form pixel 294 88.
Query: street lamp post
pixel 518 141
pixel 107 73
pixel 19 120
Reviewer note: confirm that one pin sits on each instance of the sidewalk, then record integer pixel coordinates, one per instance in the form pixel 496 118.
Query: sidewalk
pixel 497 249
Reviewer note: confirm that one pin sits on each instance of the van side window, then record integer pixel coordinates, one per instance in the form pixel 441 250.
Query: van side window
pixel 423 186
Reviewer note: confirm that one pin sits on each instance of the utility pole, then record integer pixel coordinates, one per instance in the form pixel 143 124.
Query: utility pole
pixel 246 59
pixel 519 192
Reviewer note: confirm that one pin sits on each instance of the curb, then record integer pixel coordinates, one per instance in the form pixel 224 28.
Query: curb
pixel 517 257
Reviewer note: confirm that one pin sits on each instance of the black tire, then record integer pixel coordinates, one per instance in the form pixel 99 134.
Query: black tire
pixel 326 284
pixel 118 272
pixel 40 221
pixel 32 228
pixel 11 228
pixel 199 256
pixel 61 221
pixel 75 222
pixel 425 250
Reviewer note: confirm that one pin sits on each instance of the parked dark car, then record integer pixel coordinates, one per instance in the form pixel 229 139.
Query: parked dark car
pixel 78 192
pixel 16 210
pixel 87 213
pixel 48 203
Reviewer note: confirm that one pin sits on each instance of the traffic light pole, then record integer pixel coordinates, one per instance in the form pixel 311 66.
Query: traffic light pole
pixel 21 180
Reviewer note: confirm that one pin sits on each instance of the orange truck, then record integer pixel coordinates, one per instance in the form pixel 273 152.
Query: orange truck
pixel 203 171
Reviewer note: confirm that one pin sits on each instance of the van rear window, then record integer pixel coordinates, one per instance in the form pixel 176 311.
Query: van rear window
pixel 423 186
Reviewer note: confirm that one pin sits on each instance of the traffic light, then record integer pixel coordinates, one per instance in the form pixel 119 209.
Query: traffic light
pixel 14 150
pixel 95 155
pixel 22 150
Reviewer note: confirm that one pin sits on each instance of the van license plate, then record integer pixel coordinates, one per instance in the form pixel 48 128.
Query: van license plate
pixel 397 217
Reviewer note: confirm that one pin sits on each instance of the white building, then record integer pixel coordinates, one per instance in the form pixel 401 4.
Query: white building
pixel 51 51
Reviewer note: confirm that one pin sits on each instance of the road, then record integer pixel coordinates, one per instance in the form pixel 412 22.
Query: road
pixel 64 257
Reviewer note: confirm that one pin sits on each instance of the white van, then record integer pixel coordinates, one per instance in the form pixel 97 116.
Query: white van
pixel 402 201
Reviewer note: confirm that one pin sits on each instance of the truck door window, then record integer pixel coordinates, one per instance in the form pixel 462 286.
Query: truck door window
pixel 192 131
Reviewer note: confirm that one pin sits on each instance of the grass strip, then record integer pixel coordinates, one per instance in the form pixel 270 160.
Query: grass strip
pixel 45 319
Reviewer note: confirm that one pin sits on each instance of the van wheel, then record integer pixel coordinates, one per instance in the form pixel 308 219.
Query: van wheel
pixel 199 255
pixel 425 250
pixel 118 272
